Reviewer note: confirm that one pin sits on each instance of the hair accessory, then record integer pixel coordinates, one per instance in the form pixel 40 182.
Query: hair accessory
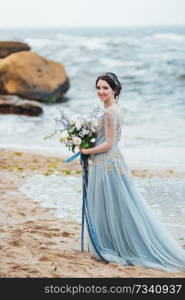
pixel 113 77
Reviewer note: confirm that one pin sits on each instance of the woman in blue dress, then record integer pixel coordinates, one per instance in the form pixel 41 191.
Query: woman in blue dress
pixel 121 227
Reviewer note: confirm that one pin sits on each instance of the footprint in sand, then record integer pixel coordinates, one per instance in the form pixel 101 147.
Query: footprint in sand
pixel 44 248
pixel 53 229
pixel 17 232
pixel 44 258
pixel 50 243
pixel 46 228
pixel 11 255
pixel 29 270
pixel 22 214
pixel 17 243
pixel 46 234
pixel 65 234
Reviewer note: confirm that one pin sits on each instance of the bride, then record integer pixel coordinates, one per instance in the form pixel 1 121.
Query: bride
pixel 121 227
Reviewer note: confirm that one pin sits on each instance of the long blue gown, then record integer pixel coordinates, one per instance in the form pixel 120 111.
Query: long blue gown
pixel 120 225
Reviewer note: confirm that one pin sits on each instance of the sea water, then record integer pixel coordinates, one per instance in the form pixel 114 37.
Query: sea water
pixel 150 63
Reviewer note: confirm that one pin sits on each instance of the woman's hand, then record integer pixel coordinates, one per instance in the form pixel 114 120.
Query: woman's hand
pixel 85 151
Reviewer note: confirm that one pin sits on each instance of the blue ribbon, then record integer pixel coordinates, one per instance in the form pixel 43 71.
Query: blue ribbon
pixel 84 182
pixel 84 163
pixel 71 158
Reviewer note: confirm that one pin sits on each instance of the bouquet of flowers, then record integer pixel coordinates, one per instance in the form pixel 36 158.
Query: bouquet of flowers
pixel 77 131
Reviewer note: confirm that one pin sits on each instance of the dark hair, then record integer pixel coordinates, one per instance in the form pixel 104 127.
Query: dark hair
pixel 112 80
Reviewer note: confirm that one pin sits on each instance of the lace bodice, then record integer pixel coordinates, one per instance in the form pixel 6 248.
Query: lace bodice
pixel 110 126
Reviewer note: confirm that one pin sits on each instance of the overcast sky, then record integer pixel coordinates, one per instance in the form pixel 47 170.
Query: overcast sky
pixel 69 13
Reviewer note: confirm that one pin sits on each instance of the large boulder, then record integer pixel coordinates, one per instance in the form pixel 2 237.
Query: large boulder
pixel 15 105
pixel 32 76
pixel 7 48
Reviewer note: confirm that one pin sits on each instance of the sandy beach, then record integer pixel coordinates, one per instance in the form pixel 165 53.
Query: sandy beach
pixel 34 242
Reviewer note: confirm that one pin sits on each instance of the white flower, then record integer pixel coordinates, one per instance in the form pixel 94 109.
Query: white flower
pixel 76 117
pixel 71 129
pixel 93 129
pixel 84 131
pixel 77 141
pixel 87 118
pixel 81 133
pixel 78 124
pixel 69 143
pixel 93 140
pixel 64 135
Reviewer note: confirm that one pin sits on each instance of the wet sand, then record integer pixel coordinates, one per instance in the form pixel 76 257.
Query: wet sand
pixel 34 243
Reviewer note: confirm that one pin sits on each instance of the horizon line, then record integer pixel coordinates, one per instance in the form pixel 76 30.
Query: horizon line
pixel 90 26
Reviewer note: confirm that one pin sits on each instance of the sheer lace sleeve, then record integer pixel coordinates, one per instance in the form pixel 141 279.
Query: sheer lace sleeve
pixel 110 133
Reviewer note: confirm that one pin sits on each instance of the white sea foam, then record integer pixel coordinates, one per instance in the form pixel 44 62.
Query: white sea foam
pixel 169 36
pixel 38 42
pixel 113 63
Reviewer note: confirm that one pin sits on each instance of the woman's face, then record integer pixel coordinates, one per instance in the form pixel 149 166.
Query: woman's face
pixel 104 91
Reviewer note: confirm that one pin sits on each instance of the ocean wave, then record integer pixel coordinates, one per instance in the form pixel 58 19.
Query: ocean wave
pixel 94 43
pixel 37 42
pixel 110 62
pixel 90 43
pixel 169 36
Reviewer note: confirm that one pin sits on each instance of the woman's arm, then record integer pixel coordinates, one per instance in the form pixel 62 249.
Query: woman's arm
pixel 110 135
